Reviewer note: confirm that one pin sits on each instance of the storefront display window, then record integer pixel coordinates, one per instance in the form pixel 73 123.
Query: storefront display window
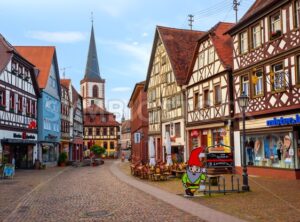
pixel 218 136
pixel 270 150
pixel 49 153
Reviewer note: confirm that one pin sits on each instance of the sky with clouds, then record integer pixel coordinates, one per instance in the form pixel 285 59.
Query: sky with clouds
pixel 124 31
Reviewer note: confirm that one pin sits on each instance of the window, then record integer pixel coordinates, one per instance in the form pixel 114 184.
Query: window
pixel 163 60
pixel 206 98
pixel 12 101
pixel 112 131
pixel 278 77
pixel 104 119
pixel 211 55
pixel 90 131
pixel 244 42
pixel 14 67
pixel 218 95
pixel 53 84
pixel 258 83
pixel 297 72
pixel 177 130
pixel 169 103
pixel 196 101
pixel 95 91
pixel 218 136
pixel 104 131
pixel 173 99
pixel 245 84
pixel 201 59
pixel 2 98
pixel 256 36
pixel 105 145
pixel 20 70
pixel 83 92
pixel 20 103
pixel 98 131
pixel 156 68
pixel 33 107
pixel 168 128
pixel 178 100
pixel 297 14
pixel 275 25
pixel 112 145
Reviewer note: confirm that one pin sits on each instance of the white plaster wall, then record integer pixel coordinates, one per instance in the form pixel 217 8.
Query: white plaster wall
pixel 237 148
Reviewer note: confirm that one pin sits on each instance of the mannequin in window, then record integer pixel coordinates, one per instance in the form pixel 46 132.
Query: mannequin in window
pixel 249 144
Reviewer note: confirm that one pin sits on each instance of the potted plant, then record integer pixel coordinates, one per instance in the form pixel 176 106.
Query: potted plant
pixel 62 159
pixel 2 107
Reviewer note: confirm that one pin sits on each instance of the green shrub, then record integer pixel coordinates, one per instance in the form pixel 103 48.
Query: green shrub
pixel 62 157
pixel 97 150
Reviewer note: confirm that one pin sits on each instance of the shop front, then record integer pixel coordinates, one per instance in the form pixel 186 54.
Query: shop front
pixel 272 146
pixel 19 148
pixel 208 135
pixel 77 149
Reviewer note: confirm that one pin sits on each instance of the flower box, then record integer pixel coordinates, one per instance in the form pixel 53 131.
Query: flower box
pixel 2 107
pixel 276 34
pixel 11 110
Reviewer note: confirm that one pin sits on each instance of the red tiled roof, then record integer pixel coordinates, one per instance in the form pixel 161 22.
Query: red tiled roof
pixel 5 55
pixel 180 45
pixel 126 126
pixel 65 82
pixel 95 113
pixel 141 84
pixel 223 43
pixel 41 57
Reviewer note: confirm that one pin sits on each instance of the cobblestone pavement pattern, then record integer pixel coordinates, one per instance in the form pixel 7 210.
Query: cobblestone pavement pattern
pixel 90 194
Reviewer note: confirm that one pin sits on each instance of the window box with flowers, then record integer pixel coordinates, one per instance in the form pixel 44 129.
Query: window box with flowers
pixel 32 115
pixel 20 112
pixel 275 35
pixel 2 107
pixel 12 110
pixel 28 114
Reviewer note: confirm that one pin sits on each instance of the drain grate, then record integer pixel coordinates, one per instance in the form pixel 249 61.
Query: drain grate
pixel 100 213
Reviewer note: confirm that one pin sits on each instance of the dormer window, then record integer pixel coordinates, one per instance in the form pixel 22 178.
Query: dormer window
pixel 211 55
pixel 275 25
pixel 244 42
pixel 14 67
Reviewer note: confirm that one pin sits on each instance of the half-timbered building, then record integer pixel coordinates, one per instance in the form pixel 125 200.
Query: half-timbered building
pixel 66 117
pixel 266 58
pixel 209 90
pixel 77 148
pixel 171 56
pixel 44 58
pixel 18 108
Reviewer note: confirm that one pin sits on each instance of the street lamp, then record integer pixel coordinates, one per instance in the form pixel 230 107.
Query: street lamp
pixel 243 103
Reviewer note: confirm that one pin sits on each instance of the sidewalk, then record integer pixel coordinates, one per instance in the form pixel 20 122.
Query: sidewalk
pixel 269 199
pixel 181 203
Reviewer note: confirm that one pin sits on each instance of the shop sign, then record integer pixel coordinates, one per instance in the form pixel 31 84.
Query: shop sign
pixel 195 133
pixel 219 160
pixel 284 121
pixel 23 136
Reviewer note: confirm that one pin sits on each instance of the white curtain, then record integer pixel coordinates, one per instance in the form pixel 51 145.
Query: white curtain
pixel 168 148
pixel 151 152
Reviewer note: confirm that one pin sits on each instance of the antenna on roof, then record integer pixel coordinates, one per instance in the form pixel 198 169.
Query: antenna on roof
pixel 64 71
pixel 191 20
pixel 92 18
pixel 235 8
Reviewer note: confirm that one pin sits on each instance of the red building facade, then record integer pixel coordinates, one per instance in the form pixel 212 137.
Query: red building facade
pixel 139 124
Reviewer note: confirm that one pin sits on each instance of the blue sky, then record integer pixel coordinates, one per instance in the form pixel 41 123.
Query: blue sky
pixel 124 31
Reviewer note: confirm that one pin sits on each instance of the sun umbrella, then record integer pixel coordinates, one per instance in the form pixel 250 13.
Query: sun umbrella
pixel 168 149
pixel 151 151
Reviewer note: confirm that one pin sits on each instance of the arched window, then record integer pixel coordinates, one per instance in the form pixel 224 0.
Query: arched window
pixel 95 91
pixel 83 93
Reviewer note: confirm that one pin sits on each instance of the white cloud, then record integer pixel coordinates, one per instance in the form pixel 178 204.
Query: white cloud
pixel 121 89
pixel 135 43
pixel 57 37
pixel 145 34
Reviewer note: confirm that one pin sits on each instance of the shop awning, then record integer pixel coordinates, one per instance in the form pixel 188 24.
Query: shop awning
pixel 19 141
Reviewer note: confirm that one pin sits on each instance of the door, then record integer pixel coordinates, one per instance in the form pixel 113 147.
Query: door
pixel 204 140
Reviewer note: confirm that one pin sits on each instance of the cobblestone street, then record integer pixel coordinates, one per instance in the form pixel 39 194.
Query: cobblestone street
pixel 80 194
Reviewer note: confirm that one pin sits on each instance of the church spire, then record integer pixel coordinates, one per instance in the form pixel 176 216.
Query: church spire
pixel 92 71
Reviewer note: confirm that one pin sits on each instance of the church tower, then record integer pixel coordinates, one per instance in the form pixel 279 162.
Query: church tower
pixel 92 85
